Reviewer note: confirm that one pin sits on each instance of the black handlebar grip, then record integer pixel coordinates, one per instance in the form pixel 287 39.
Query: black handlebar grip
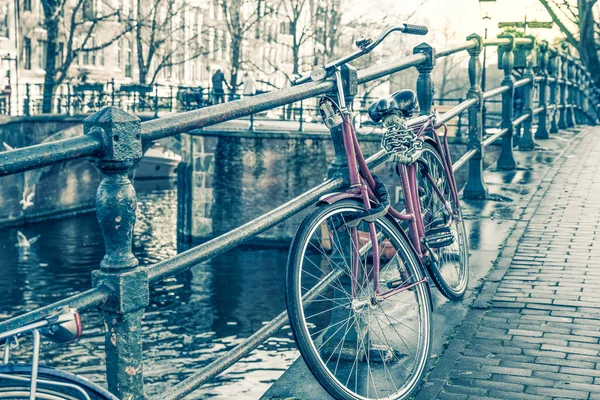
pixel 415 29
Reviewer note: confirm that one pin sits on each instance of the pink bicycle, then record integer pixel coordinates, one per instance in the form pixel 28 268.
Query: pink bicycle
pixel 357 287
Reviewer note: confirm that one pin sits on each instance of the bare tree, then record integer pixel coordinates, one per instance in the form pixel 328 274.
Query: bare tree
pixel 239 20
pixel 71 32
pixel 163 38
pixel 578 20
pixel 451 76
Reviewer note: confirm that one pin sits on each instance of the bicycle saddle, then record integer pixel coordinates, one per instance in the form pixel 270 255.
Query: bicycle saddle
pixel 402 101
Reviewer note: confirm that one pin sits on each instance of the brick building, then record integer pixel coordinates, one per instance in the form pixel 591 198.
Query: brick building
pixel 195 40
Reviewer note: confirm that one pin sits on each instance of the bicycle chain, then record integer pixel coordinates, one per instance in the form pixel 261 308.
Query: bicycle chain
pixel 403 143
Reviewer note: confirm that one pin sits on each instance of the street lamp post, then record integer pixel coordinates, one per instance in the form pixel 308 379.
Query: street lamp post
pixel 486 8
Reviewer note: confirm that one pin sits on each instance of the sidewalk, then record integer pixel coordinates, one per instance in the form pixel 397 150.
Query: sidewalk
pixel 534 331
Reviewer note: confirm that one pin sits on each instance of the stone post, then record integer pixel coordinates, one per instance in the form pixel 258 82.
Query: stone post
pixel 527 142
pixel 542 129
pixel 120 133
pixel 553 70
pixel 506 159
pixel 475 187
pixel 424 81
pixel 562 119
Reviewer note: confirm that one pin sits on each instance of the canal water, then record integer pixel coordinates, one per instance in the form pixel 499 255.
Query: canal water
pixel 192 318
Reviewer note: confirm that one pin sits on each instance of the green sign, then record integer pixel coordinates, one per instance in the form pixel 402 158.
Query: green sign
pixel 526 24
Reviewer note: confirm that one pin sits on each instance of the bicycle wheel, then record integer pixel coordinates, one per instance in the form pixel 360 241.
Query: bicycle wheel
pixel 444 231
pixel 354 348
pixel 52 384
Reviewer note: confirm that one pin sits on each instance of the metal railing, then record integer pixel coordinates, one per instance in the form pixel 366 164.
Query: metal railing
pixel 114 140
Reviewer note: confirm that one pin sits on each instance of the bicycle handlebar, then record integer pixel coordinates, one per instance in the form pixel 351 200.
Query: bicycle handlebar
pixel 365 45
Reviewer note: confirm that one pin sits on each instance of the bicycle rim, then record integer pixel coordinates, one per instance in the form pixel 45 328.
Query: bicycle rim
pixel 354 348
pixel 451 272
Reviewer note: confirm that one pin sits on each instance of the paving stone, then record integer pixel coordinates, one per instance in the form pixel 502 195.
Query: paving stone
pixel 539 337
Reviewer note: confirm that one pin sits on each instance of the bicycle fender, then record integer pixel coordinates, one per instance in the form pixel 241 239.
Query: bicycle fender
pixel 338 196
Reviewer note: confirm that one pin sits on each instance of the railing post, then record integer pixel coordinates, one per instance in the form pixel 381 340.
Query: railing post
pixel 120 133
pixel 506 160
pixel 527 142
pixel 475 187
pixel 580 94
pixel 553 67
pixel 542 129
pixel 69 99
pixel 571 93
pixel 27 99
pixel 112 92
pixel 424 81
pixel 562 119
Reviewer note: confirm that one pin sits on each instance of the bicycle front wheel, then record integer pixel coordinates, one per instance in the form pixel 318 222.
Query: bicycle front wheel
pixel 52 384
pixel 444 226
pixel 355 347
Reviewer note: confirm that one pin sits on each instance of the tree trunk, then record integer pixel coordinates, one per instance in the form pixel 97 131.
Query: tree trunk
pixel 587 44
pixel 236 44
pixel 50 82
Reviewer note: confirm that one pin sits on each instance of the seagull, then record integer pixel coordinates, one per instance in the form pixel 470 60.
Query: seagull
pixel 23 242
pixel 26 200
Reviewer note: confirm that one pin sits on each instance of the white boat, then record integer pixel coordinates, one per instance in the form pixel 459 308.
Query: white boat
pixel 157 163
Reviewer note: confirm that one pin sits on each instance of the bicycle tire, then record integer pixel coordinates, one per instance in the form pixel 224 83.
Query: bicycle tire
pixel 457 253
pixel 19 389
pixel 412 306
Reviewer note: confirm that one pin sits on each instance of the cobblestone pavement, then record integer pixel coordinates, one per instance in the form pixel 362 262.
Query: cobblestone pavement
pixel 534 332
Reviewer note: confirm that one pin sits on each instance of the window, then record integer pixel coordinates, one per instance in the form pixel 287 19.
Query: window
pixel 4 32
pixel 128 58
pixel 101 55
pixel 119 55
pixel 93 52
pixel 27 53
pixel 41 54
pixel 26 5
pixel 126 9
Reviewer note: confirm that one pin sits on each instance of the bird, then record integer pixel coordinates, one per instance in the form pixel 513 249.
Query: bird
pixel 26 200
pixel 23 242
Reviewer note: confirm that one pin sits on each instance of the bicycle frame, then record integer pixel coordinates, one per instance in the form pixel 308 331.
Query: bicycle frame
pixel 362 185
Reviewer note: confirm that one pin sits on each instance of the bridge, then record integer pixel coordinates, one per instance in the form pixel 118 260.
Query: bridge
pixel 531 322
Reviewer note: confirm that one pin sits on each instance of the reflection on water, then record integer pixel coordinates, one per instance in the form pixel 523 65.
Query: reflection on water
pixel 192 318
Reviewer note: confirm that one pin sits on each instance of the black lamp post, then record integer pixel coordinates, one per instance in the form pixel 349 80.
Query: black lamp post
pixel 486 9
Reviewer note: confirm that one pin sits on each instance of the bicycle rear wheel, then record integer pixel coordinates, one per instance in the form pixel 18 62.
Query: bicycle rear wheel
pixel 357 349
pixel 451 271
pixel 52 384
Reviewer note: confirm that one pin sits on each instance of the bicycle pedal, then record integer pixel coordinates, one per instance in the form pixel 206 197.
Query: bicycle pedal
pixel 438 237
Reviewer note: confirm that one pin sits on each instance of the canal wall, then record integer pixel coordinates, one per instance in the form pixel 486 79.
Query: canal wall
pixel 49 192
pixel 228 178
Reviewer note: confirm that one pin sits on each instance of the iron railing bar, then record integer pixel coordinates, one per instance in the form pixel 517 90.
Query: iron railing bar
pixel 523 41
pixel 225 361
pixel 539 78
pixel 45 154
pixel 237 236
pixel 83 301
pixel 519 121
pixel 493 138
pixel 463 160
pixel 448 50
pixel 521 82
pixel 453 112
pixel 189 120
pixel 379 71
pixel 495 92
pixel 538 110
pixel 496 42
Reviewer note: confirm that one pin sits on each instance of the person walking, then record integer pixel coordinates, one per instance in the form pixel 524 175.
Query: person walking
pixel 249 85
pixel 218 79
